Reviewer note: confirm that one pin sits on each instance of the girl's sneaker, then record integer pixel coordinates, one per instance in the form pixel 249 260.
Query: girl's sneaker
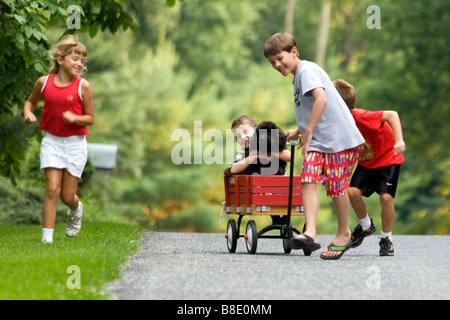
pixel 74 221
pixel 386 247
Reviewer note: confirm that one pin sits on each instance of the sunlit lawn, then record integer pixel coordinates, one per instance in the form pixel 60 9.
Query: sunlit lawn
pixel 32 270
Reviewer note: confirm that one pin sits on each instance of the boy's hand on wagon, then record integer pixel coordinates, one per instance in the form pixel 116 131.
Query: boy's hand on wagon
pixel 293 135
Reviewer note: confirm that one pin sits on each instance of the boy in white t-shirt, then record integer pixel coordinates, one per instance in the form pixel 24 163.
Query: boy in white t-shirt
pixel 330 142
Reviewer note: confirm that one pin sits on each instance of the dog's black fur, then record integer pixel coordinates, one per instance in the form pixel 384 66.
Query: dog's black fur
pixel 267 136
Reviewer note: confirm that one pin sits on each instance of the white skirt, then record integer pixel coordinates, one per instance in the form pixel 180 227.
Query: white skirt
pixel 64 153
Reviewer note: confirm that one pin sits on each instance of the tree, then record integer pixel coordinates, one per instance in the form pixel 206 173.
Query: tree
pixel 404 66
pixel 323 33
pixel 289 20
pixel 24 55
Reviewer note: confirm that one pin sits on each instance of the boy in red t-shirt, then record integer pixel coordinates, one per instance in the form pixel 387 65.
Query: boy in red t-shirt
pixel 378 167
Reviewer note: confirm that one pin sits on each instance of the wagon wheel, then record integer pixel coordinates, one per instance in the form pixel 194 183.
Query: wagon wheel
pixel 231 236
pixel 251 236
pixel 286 230
pixel 286 247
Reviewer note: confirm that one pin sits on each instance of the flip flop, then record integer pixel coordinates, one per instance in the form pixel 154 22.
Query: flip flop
pixel 332 247
pixel 305 244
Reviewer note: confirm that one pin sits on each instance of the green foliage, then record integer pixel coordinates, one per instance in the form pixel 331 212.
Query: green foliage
pixel 409 66
pixel 404 67
pixel 171 3
pixel 203 61
pixel 24 54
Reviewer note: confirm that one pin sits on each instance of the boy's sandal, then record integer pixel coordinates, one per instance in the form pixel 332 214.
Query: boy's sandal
pixel 332 247
pixel 305 244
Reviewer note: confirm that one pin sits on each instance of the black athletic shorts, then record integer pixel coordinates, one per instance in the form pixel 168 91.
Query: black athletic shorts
pixel 376 180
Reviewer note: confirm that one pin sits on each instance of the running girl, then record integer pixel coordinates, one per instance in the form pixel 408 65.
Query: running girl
pixel 68 109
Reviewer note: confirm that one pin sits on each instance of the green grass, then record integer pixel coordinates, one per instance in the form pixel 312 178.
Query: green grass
pixel 32 270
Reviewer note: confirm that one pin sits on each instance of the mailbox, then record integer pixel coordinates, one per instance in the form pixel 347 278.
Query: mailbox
pixel 102 156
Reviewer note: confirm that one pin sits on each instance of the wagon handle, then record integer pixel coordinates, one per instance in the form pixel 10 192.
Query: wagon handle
pixel 291 180
pixel 293 143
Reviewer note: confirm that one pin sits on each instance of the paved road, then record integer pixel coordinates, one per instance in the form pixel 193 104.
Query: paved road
pixel 196 266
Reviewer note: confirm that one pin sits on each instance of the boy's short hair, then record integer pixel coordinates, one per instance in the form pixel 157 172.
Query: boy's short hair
pixel 346 91
pixel 279 42
pixel 244 120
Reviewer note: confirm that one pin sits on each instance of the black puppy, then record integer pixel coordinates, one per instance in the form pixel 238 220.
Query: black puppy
pixel 268 138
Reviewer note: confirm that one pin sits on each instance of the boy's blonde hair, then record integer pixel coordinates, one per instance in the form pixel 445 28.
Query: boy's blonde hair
pixel 279 42
pixel 244 120
pixel 347 92
pixel 66 46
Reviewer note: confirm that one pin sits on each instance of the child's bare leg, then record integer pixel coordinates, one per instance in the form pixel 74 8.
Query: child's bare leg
pixel 357 202
pixel 311 207
pixel 52 192
pixel 387 212
pixel 342 207
pixel 68 190
pixel 70 199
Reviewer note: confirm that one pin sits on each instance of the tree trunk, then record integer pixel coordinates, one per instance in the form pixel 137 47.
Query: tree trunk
pixel 289 20
pixel 323 33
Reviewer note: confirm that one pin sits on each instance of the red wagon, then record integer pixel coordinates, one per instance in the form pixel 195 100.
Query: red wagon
pixel 257 195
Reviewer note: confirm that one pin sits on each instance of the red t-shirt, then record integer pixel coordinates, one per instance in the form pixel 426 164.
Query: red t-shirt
pixel 378 149
pixel 58 100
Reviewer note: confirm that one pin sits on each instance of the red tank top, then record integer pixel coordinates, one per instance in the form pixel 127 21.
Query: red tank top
pixel 58 100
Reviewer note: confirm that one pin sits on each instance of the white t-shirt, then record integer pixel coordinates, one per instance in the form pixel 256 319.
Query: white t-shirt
pixel 336 130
